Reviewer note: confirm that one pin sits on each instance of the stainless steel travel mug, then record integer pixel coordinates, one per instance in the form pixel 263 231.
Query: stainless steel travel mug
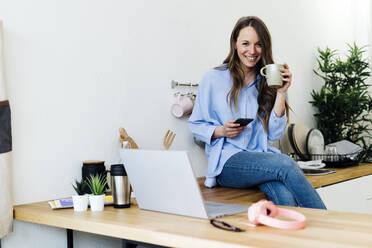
pixel 120 186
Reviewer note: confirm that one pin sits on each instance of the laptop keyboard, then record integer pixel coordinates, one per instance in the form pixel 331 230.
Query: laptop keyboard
pixel 217 209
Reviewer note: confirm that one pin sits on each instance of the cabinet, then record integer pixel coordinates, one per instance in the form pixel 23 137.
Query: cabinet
pixel 351 196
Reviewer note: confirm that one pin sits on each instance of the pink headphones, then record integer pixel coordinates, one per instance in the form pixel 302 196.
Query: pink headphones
pixel 258 214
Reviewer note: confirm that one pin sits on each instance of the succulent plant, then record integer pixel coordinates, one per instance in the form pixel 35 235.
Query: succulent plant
pixel 97 184
pixel 80 186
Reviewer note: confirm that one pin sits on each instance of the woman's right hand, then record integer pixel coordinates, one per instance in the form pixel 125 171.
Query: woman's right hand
pixel 229 130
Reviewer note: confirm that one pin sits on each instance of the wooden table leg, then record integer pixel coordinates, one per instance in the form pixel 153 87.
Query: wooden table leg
pixel 70 238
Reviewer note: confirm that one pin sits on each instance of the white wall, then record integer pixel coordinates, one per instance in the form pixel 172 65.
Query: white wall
pixel 77 70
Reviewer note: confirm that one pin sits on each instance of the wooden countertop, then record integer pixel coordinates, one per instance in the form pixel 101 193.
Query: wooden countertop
pixel 241 196
pixel 341 175
pixel 323 228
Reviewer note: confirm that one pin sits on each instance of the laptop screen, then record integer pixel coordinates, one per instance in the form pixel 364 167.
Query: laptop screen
pixel 164 181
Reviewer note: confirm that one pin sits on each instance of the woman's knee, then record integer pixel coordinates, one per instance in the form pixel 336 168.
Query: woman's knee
pixel 290 169
pixel 286 162
pixel 278 193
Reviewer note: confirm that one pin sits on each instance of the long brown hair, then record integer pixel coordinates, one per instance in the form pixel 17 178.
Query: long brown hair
pixel 266 95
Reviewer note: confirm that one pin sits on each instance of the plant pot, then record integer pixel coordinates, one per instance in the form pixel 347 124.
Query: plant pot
pixel 80 202
pixel 97 202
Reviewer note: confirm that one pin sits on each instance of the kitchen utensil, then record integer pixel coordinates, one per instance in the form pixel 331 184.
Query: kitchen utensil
pixel 120 186
pixel 168 139
pixel 125 137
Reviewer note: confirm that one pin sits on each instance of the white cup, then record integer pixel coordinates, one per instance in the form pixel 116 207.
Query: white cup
pixel 316 152
pixel 273 75
pixel 332 154
pixel 183 106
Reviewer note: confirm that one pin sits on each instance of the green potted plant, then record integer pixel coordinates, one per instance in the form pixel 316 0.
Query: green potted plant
pixel 343 104
pixel 80 200
pixel 97 184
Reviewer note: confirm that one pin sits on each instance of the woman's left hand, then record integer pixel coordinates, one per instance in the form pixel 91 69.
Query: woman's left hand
pixel 287 79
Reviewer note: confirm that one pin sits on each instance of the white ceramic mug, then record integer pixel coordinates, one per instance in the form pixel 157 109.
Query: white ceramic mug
pixel 273 75
pixel 183 106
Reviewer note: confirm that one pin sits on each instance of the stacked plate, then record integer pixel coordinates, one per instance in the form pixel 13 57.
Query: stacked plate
pixel 301 140
pixel 315 144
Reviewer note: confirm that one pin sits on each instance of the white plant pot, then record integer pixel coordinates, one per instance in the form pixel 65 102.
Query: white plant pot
pixel 97 202
pixel 80 202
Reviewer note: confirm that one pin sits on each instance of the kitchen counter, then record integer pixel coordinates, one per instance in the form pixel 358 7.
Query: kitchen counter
pixel 324 228
pixel 241 196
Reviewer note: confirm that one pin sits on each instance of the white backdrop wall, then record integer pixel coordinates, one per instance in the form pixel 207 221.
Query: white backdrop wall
pixel 77 70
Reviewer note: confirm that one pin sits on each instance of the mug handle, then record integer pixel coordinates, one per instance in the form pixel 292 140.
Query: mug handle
pixel 261 71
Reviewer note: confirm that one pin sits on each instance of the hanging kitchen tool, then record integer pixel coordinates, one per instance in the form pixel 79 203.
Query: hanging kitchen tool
pixel 168 139
pixel 125 137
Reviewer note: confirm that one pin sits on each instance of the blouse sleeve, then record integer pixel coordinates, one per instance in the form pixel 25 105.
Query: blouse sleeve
pixel 202 121
pixel 277 126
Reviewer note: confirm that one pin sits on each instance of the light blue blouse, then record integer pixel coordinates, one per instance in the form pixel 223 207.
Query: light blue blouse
pixel 211 110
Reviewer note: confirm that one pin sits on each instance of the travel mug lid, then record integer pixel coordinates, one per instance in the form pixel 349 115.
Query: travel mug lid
pixel 118 170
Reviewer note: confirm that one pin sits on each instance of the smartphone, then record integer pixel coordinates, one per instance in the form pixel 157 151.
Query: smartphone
pixel 243 121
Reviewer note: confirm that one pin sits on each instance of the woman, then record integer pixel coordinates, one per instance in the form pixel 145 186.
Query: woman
pixel 242 157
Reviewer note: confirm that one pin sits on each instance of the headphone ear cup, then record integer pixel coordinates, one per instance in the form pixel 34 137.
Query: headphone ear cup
pixel 255 210
pixel 253 214
pixel 271 207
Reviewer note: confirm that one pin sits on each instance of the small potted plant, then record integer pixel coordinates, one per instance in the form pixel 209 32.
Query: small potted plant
pixel 80 200
pixel 97 184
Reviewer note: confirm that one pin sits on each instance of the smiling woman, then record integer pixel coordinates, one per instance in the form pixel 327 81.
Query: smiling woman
pixel 250 50
pixel 241 156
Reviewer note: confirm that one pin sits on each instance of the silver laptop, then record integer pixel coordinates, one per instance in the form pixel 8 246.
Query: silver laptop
pixel 164 181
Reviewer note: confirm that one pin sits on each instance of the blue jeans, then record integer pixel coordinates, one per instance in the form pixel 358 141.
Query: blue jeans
pixel 277 175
